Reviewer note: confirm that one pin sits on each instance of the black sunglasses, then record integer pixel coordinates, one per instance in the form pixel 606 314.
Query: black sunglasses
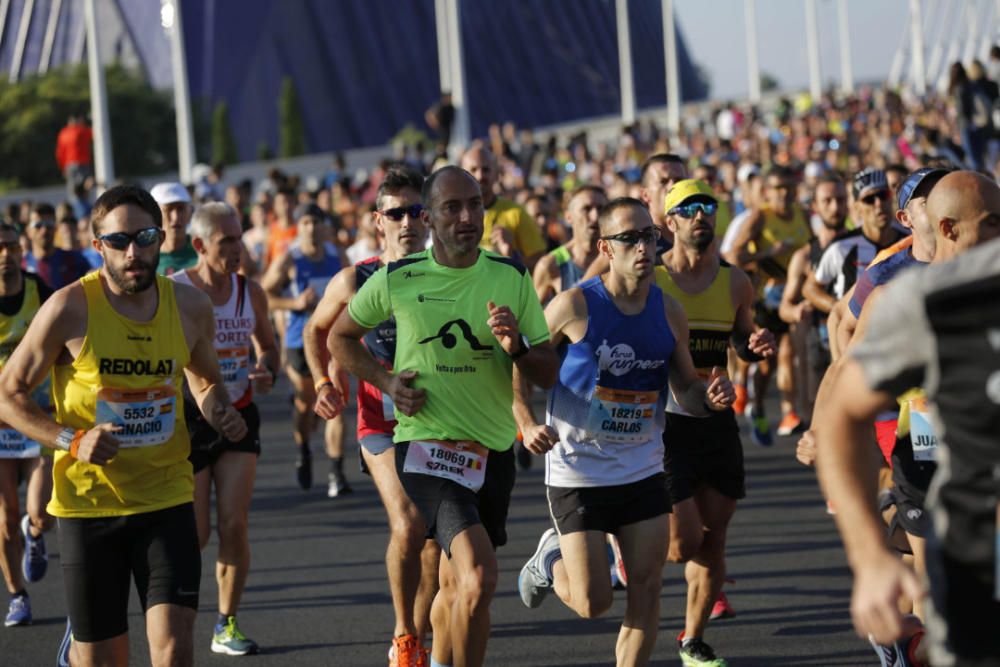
pixel 876 196
pixel 397 214
pixel 121 240
pixel 631 238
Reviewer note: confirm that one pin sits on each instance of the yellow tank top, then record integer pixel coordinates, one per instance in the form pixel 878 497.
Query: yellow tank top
pixel 131 374
pixel 776 230
pixel 13 327
pixel 710 314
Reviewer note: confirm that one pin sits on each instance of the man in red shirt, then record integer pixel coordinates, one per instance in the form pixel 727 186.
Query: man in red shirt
pixel 73 152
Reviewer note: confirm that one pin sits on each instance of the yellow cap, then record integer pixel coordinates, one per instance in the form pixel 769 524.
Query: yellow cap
pixel 684 190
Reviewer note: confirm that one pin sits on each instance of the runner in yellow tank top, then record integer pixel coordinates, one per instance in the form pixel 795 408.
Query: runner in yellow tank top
pixel 766 244
pixel 120 343
pixel 703 456
pixel 21 295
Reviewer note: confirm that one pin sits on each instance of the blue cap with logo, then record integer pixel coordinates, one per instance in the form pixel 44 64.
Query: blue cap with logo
pixel 913 181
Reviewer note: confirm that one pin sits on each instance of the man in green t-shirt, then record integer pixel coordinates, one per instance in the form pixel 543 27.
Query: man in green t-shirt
pixel 176 252
pixel 452 388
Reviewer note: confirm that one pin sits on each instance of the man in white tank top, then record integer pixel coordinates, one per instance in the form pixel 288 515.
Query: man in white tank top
pixel 240 309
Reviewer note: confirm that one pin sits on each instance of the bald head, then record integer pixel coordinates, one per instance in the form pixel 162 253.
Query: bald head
pixel 964 210
pixel 482 164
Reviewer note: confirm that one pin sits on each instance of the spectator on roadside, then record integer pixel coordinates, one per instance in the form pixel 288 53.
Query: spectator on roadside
pixel 73 153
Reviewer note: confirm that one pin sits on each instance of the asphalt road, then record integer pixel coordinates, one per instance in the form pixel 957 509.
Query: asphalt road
pixel 317 593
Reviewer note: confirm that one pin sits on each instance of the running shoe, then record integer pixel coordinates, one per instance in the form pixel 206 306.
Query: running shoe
pixel 304 469
pixel 404 652
pixel 533 583
pixel 887 655
pixel 19 611
pixel 760 430
pixel 906 648
pixel 62 658
pixel 337 485
pixel 740 404
pixel 424 657
pixel 696 653
pixel 619 579
pixel 35 561
pixel 791 424
pixel 721 609
pixel 230 641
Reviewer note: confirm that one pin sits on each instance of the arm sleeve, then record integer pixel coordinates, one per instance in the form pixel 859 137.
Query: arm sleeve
pixel 529 237
pixel 898 343
pixel 371 304
pixel 829 265
pixel 531 319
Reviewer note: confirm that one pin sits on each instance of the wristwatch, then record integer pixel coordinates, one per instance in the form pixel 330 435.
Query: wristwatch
pixel 524 349
pixel 65 438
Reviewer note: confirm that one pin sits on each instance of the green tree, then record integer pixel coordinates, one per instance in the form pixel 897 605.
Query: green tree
pixel 32 111
pixel 223 143
pixel 292 133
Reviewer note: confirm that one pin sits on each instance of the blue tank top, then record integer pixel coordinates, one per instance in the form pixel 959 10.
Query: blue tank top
pixel 308 274
pixel 608 403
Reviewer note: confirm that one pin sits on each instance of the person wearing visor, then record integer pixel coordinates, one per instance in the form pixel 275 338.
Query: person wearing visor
pixel 703 455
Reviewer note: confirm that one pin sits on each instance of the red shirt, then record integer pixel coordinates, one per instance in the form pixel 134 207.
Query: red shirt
pixel 73 145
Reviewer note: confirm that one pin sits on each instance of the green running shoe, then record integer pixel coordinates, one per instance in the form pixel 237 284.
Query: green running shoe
pixel 696 653
pixel 228 640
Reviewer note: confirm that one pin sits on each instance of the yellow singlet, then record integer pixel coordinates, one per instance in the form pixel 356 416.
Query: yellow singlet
pixel 13 328
pixel 710 314
pixel 776 230
pixel 128 373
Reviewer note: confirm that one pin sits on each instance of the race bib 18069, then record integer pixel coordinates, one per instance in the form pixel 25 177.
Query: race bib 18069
pixel 622 416
pixel 921 432
pixel 146 416
pixel 461 461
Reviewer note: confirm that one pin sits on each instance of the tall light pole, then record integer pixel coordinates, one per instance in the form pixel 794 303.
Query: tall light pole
pixel 461 132
pixel 673 71
pixel 846 68
pixel 812 44
pixel 104 164
pixel 918 73
pixel 172 21
pixel 625 63
pixel 753 66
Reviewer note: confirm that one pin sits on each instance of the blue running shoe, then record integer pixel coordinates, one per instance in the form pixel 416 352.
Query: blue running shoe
pixel 760 430
pixel 19 611
pixel 62 659
pixel 35 562
pixel 533 583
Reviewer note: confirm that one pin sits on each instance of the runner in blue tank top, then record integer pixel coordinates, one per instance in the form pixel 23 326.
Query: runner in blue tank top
pixel 565 266
pixel 603 437
pixel 305 270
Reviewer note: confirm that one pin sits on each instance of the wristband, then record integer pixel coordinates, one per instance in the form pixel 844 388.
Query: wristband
pixel 322 382
pixel 74 447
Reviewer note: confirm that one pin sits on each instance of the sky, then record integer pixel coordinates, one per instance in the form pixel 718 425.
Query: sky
pixel 715 34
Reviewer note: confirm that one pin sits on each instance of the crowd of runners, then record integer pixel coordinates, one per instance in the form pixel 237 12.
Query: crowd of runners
pixel 650 291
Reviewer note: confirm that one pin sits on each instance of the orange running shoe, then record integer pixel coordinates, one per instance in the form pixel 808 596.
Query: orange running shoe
pixel 405 651
pixel 424 657
pixel 721 609
pixel 791 424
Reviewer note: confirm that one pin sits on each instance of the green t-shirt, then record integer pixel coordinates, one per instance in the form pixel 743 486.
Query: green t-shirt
pixel 178 260
pixel 441 332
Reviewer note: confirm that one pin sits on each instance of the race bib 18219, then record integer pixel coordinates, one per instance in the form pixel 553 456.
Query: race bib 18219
pixel 622 416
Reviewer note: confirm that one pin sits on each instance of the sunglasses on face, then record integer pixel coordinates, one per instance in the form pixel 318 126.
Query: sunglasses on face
pixel 691 210
pixel 874 197
pixel 121 240
pixel 397 214
pixel 632 238
pixel 39 224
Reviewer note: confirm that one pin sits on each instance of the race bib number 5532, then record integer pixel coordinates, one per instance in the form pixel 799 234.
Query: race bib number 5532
pixel 146 416
pixel 462 461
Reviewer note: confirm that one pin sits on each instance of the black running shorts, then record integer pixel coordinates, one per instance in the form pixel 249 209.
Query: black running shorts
pixel 207 444
pixel 911 480
pixel 449 508
pixel 100 557
pixel 769 319
pixel 703 450
pixel 296 358
pixel 607 508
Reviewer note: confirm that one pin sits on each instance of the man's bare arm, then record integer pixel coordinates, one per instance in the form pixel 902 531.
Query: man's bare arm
pixel 791 308
pixel 544 277
pixel 330 396
pixel 817 295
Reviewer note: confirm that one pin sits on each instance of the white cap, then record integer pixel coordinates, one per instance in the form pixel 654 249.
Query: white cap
pixel 815 169
pixel 746 171
pixel 170 193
